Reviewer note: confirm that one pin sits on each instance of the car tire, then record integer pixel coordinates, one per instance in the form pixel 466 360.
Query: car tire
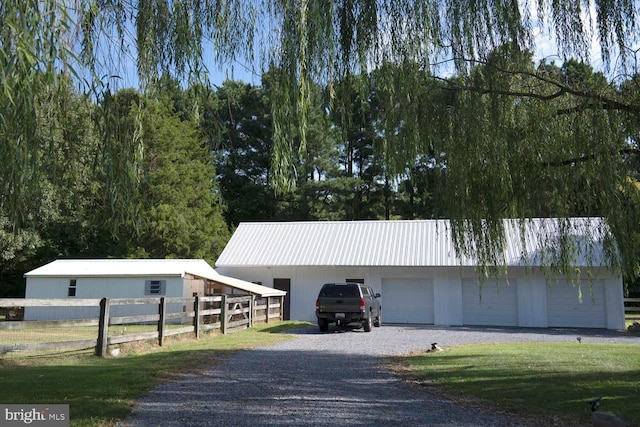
pixel 378 322
pixel 323 324
pixel 368 323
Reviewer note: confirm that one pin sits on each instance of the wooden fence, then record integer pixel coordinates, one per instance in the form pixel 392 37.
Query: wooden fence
pixel 632 307
pixel 197 314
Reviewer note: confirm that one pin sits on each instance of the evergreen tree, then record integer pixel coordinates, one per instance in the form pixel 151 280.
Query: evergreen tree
pixel 181 217
pixel 241 120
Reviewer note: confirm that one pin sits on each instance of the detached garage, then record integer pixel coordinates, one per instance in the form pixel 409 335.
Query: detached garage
pixel 422 279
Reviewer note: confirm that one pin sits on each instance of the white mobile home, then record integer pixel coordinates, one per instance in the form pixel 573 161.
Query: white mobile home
pixel 414 265
pixel 127 278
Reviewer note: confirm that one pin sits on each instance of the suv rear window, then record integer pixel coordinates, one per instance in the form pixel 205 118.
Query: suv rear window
pixel 337 290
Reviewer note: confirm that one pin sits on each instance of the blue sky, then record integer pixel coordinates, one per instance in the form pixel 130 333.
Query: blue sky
pixel 243 69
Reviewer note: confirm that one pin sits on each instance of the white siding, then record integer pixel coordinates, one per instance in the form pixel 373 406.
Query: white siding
pixel 566 310
pixel 96 288
pixel 494 303
pixel 454 299
pixel 614 299
pixel 447 297
pixel 407 301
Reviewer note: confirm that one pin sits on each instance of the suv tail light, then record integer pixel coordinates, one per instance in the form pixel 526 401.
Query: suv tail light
pixel 362 304
pixel 317 303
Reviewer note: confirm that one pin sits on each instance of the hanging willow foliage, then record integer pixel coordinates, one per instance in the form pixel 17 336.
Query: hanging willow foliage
pixel 515 141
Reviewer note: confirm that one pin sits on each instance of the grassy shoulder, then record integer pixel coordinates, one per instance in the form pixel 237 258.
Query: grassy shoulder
pixel 546 379
pixel 100 391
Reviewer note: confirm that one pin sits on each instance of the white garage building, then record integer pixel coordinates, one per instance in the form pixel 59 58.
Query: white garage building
pixel 414 265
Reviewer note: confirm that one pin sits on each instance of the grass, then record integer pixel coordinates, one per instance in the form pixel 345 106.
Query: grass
pixel 548 379
pixel 53 334
pixel 540 378
pixel 101 391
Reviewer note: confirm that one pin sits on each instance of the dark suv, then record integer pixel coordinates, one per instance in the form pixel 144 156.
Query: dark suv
pixel 344 303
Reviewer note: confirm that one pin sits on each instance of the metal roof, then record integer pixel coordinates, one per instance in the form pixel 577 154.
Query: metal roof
pixel 254 288
pixel 124 268
pixel 145 268
pixel 398 243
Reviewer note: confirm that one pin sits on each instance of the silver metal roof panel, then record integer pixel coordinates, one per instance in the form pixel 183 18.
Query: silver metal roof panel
pixel 398 243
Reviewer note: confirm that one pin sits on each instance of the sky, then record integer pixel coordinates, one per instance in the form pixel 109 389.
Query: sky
pixel 218 73
pixel 244 70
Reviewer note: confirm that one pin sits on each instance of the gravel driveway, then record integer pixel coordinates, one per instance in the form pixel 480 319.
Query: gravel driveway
pixel 337 378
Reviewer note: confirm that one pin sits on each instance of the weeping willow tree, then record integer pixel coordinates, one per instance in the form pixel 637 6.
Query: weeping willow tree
pixel 516 140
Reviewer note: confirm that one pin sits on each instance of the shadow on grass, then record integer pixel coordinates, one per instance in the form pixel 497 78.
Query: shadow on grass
pixel 102 390
pixel 98 390
pixel 558 385
pixel 288 327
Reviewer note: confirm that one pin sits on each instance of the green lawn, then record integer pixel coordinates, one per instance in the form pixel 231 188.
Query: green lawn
pixel 100 391
pixel 544 378
pixel 539 378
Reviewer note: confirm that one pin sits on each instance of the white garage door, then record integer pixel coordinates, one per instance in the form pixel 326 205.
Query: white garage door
pixel 495 303
pixel 565 310
pixel 407 301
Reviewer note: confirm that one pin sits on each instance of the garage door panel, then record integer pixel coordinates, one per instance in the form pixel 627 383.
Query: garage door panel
pixel 407 301
pixel 564 308
pixel 490 303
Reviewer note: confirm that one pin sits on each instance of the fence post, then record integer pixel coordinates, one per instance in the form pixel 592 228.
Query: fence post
pixel 281 308
pixel 223 314
pixel 268 309
pixel 196 316
pixel 252 308
pixel 161 312
pixel 103 328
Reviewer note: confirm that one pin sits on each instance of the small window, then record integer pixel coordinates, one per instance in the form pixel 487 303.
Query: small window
pixel 71 292
pixel 361 281
pixel 154 287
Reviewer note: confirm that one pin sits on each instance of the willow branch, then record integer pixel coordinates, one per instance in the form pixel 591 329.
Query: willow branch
pixel 587 157
pixel 597 101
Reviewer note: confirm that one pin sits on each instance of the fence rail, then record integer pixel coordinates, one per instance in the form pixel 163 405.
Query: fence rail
pixel 26 326
pixel 632 307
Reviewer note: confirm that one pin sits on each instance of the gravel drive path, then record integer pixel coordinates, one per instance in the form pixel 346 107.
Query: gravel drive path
pixel 337 378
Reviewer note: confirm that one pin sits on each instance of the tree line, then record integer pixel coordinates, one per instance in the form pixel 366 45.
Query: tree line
pixel 197 161
pixel 445 89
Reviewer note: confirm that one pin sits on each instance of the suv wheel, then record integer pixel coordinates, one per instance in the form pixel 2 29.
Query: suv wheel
pixel 368 323
pixel 378 322
pixel 323 324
